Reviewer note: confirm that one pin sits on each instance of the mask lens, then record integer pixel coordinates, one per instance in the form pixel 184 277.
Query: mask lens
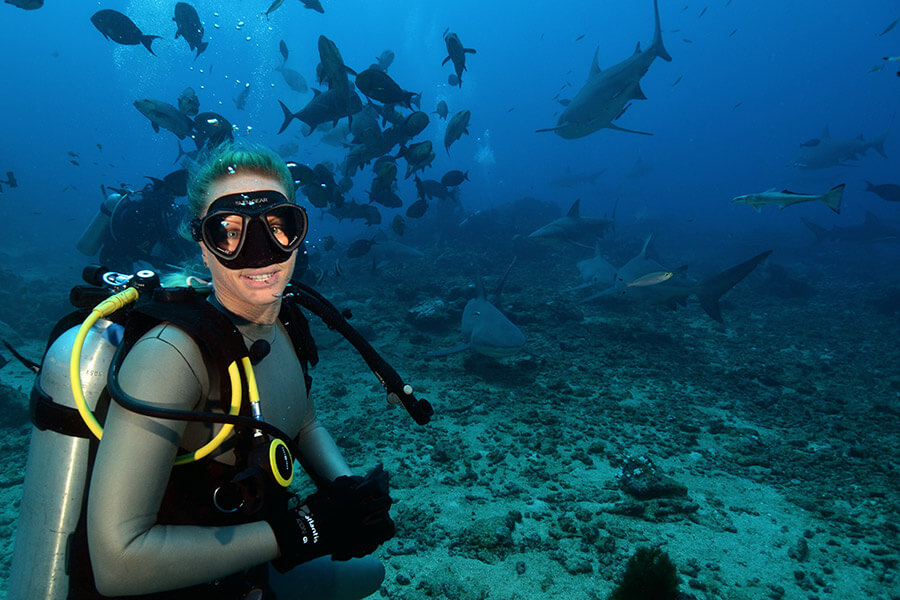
pixel 224 233
pixel 287 225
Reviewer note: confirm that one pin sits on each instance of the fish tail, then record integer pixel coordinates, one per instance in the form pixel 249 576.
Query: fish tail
pixel 146 40
pixel 833 198
pixel 288 117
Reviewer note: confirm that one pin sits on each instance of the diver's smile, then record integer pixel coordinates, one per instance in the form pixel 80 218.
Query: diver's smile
pixel 260 278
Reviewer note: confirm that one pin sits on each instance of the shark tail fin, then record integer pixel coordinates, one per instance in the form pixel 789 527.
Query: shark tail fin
pixel 715 287
pixel 833 197
pixel 657 45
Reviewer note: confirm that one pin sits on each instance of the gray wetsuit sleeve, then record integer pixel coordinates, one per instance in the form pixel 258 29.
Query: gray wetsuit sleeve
pixel 130 552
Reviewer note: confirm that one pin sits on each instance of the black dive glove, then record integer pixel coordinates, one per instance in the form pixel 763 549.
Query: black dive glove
pixel 348 518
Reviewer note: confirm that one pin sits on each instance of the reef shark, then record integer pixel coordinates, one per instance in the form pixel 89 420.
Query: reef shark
pixel 573 228
pixel 872 229
pixel 677 288
pixel 607 94
pixel 485 329
pixel 824 152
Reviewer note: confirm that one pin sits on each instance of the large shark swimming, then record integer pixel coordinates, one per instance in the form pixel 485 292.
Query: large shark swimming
pixel 607 94
pixel 673 289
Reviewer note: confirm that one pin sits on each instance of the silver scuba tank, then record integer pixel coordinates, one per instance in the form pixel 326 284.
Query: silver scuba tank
pixel 55 477
pixel 96 233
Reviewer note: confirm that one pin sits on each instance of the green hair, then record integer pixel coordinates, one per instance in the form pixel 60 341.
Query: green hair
pixel 229 158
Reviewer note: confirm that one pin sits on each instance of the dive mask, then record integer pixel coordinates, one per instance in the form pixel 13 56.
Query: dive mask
pixel 251 229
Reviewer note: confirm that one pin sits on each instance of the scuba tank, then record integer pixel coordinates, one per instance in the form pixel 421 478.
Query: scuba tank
pixel 96 233
pixel 55 478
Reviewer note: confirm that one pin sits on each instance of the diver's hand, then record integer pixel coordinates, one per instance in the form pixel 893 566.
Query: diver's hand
pixel 348 518
pixel 366 521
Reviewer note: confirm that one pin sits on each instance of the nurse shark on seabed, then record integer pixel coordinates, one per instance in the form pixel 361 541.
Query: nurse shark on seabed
pixel 607 94
pixel 826 151
pixel 485 329
pixel 644 279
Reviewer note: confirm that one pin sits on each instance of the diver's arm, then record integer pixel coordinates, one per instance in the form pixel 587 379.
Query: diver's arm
pixel 130 553
pixel 320 452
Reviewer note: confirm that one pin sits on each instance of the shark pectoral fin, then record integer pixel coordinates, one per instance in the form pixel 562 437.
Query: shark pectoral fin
pixel 616 127
pixel 638 93
pixel 557 128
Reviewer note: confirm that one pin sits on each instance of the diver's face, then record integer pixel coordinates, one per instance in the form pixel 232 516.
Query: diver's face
pixel 252 293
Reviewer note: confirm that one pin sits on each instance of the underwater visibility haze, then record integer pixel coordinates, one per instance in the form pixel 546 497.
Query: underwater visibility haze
pixel 646 268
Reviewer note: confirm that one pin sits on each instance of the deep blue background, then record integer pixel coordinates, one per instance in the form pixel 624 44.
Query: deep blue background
pixel 791 68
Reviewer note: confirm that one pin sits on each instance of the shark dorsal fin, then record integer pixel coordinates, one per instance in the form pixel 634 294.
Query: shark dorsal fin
pixel 575 209
pixel 644 249
pixel 595 66
pixel 637 49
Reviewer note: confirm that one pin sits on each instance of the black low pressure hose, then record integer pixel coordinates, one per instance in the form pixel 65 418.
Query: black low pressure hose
pixel 134 405
pixel 419 409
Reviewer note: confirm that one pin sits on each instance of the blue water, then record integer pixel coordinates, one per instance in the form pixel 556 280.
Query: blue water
pixel 792 70
pixel 749 82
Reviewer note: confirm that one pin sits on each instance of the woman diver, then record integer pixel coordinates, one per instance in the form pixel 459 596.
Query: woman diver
pixel 152 530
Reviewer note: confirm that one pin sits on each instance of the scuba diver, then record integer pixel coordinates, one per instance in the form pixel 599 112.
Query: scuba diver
pixel 134 229
pixel 180 502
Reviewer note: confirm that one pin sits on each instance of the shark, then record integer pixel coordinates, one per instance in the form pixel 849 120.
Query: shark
pixel 573 228
pixel 607 94
pixel 676 288
pixel 872 229
pixel 832 198
pixel 826 151
pixel 485 329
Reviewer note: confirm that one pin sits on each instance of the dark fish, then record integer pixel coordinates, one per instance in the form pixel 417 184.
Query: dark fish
pixel 417 209
pixel 10 180
pixel 72 154
pixel 565 101
pixel 457 126
pixel 453 80
pixel 301 174
pixel 189 27
pixel 313 5
pixel 702 12
pixel 272 8
pixel 74 162
pixel 418 156
pixel 333 71
pixel 386 197
pixel 885 191
pixel 398 225
pixel 676 82
pixel 174 184
pixel 332 105
pixel 454 178
pixel 241 101
pixel 328 243
pixel 26 4
pixel 283 48
pixel 889 27
pixel 456 53
pixel 117 27
pixel 811 143
pixel 442 109
pixel 378 85
pixel 188 102
pixel 99 147
pixel 733 31
pixel 580 37
pixel 687 41
pixel 212 129
pixel 162 114
pixel 431 188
